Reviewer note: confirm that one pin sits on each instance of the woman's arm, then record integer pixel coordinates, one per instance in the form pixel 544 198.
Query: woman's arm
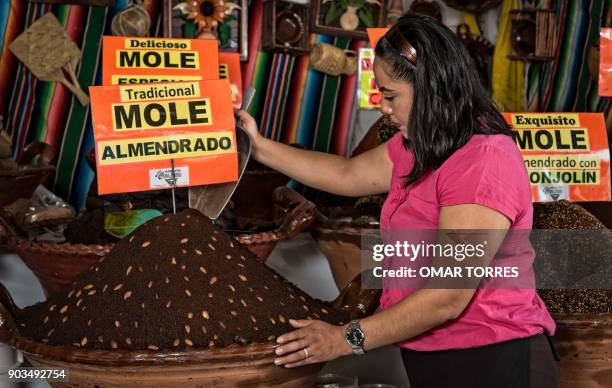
pixel 427 308
pixel 417 313
pixel 366 174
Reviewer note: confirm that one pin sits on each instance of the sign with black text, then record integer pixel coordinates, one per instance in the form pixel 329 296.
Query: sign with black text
pixel 128 60
pixel 138 129
pixel 566 154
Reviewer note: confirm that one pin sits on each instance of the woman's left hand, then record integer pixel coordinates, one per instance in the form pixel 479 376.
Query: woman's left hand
pixel 313 342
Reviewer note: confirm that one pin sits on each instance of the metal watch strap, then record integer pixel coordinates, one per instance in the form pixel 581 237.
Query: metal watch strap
pixel 355 325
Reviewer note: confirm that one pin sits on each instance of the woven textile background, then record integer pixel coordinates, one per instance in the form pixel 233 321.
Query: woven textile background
pixel 293 103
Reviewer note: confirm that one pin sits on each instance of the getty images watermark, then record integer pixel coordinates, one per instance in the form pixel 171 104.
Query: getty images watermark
pixel 457 252
pixel 487 259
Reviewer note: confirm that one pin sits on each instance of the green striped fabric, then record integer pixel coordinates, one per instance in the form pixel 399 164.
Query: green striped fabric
pixel 327 106
pixel 565 84
pixel 279 121
pixel 78 114
pixel 44 92
pixel 22 94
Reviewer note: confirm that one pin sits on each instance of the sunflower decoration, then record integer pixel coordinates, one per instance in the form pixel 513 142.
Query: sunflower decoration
pixel 208 15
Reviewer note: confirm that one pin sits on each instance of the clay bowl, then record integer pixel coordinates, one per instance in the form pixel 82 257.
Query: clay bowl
pixel 339 235
pixel 233 366
pixel 295 214
pixel 56 265
pixel 252 199
pixel 341 245
pixel 21 183
pixel 342 248
pixel 584 344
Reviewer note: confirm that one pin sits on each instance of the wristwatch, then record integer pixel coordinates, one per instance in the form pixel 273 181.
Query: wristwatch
pixel 355 336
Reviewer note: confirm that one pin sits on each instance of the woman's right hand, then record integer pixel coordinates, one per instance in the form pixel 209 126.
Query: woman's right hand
pixel 248 123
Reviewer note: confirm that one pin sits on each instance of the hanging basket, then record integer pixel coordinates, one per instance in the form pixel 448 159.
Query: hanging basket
pixel 331 60
pixel 132 21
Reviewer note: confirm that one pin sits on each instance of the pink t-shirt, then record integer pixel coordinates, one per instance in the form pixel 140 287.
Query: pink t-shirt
pixel 489 171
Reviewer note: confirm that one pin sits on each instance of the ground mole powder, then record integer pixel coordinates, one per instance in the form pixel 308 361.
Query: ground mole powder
pixel 176 282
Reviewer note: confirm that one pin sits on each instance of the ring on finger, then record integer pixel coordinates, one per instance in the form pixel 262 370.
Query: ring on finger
pixel 306 353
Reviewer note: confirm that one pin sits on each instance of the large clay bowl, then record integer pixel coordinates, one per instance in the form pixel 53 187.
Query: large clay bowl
pixel 584 344
pixel 234 366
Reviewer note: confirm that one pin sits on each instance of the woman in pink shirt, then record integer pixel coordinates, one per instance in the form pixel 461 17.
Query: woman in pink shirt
pixel 452 165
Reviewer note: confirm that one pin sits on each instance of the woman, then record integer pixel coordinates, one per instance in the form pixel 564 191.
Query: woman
pixel 452 165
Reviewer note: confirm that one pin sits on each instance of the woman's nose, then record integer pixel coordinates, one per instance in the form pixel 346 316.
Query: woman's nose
pixel 385 109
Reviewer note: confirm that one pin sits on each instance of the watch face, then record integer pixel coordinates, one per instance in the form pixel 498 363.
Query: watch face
pixel 355 337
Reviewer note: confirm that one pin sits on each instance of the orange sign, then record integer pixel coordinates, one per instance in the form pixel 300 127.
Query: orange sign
pixel 605 62
pixel 144 60
pixel 566 155
pixel 229 68
pixel 374 34
pixel 140 129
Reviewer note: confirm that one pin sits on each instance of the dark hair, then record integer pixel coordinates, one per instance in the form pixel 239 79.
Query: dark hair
pixel 449 104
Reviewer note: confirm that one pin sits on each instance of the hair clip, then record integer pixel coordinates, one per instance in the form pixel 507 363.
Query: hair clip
pixel 403 47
